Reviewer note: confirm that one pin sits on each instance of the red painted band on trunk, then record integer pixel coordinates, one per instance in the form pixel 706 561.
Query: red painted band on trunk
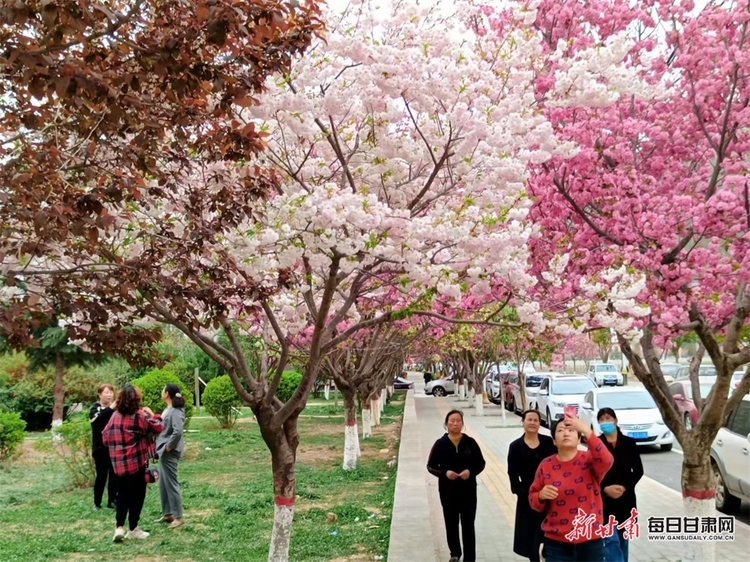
pixel 365 406
pixel 699 494
pixel 283 502
pixel 350 422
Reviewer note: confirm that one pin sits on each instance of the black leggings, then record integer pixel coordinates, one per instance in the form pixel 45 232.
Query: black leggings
pixel 105 474
pixel 130 498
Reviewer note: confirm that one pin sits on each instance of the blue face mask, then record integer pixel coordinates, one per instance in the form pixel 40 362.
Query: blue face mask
pixel 608 427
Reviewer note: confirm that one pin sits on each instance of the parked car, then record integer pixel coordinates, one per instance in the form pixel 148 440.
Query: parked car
pixel 402 384
pixel 559 391
pixel 605 373
pixel 499 380
pixel 441 387
pixel 730 458
pixel 510 383
pixel 637 415
pixel 682 393
pixel 703 371
pixel 533 382
pixel 669 370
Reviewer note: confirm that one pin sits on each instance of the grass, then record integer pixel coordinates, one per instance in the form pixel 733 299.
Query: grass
pixel 228 497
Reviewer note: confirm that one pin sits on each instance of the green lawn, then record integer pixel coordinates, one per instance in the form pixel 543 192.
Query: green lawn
pixel 227 492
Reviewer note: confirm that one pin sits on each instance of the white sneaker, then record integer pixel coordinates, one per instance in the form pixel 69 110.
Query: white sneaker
pixel 137 533
pixel 119 535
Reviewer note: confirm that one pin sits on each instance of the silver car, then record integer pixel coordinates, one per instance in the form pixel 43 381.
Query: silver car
pixel 441 387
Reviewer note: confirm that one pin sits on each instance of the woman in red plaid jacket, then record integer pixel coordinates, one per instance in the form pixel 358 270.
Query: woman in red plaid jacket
pixel 129 436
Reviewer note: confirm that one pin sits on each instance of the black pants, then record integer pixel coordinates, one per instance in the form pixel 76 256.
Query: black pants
pixel 105 474
pixel 130 498
pixel 460 508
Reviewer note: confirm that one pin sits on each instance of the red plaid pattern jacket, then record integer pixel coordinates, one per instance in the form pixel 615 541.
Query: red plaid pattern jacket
pixel 130 440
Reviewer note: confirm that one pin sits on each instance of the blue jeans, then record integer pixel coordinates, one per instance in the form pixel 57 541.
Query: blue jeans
pixel 590 551
pixel 616 547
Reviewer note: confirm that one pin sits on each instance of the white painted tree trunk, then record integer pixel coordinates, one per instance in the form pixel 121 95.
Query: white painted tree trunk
pixel 699 551
pixel 502 405
pixel 383 396
pixel 351 446
pixel 366 423
pixel 479 404
pixel 282 530
pixel 461 391
pixel 327 392
pixel 471 397
pixel 374 413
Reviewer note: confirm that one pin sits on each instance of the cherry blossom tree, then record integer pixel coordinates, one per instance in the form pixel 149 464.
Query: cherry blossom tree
pixel 645 227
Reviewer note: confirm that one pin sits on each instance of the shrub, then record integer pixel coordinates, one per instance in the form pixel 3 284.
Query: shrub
pixel 221 400
pixel 11 433
pixel 154 381
pixel 288 384
pixel 71 443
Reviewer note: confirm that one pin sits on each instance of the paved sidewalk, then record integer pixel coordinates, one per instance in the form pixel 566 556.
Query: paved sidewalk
pixel 417 531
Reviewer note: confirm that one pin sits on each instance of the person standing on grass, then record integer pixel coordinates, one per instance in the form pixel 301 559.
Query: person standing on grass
pixel 129 436
pixel 567 489
pixel 169 447
pixel 99 416
pixel 456 460
pixel 618 486
pixel 524 456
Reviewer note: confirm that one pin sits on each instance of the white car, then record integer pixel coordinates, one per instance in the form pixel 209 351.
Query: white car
pixel 637 415
pixel 533 382
pixel 730 459
pixel 605 373
pixel 440 387
pixel 559 391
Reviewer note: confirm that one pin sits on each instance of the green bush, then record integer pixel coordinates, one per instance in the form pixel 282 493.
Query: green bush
pixel 288 384
pixel 71 443
pixel 11 433
pixel 221 400
pixel 151 385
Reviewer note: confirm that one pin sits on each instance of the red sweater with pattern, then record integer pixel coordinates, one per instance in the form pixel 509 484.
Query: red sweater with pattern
pixel 578 483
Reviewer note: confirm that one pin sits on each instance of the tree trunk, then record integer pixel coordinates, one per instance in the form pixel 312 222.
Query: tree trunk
pixel 282 442
pixel 351 433
pixel 479 404
pixel 59 392
pixel 698 496
pixel 461 390
pixel 366 420
pixel 327 392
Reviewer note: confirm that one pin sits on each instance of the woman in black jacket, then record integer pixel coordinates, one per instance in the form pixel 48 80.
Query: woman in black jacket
pixel 524 456
pixel 618 485
pixel 99 416
pixel 456 459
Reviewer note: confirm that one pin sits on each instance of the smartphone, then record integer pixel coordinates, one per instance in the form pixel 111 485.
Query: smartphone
pixel 570 411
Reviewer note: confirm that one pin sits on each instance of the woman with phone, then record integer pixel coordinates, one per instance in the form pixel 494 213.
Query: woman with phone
pixel 567 490
pixel 456 460
pixel 169 447
pixel 524 456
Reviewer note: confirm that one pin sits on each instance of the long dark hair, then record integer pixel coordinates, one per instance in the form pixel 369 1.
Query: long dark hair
pixel 178 400
pixel 129 400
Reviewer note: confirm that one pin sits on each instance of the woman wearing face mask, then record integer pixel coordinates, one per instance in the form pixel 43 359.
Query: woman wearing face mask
pixel 456 459
pixel 567 484
pixel 524 456
pixel 618 486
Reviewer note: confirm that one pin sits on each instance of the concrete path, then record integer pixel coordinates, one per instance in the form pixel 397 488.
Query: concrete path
pixel 417 531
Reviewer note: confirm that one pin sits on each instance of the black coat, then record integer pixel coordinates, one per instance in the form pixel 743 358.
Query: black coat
pixel 99 417
pixel 445 456
pixel 626 471
pixel 523 462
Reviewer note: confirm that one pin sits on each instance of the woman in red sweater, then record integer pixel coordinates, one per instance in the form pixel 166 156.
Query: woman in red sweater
pixel 567 488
